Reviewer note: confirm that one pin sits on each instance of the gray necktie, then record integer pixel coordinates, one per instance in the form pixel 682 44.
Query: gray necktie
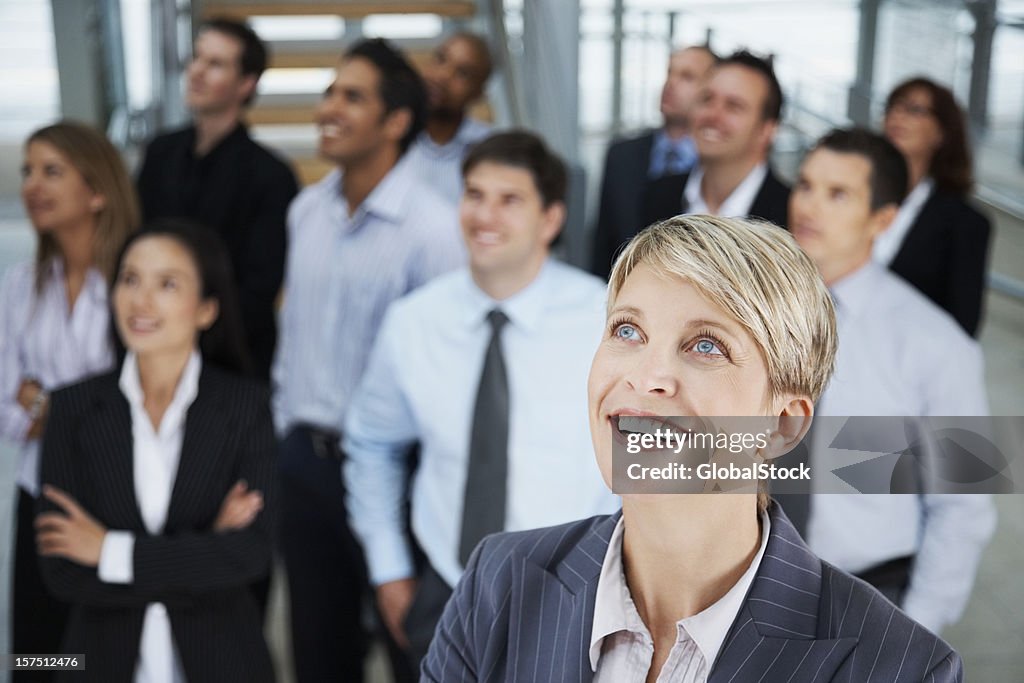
pixel 484 508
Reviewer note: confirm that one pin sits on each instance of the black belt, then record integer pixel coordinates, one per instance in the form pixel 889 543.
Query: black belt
pixel 326 442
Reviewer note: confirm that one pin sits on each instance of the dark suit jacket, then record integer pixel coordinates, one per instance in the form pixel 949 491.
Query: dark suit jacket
pixel 201 576
pixel 523 611
pixel 945 255
pixel 242 191
pixel 665 199
pixel 620 214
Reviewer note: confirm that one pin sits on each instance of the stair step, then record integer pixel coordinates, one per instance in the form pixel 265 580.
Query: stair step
pixel 344 8
pixel 323 54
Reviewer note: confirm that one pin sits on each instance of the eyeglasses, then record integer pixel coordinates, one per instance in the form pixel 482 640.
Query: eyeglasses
pixel 909 108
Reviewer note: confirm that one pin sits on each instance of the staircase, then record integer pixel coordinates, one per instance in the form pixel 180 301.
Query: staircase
pixel 305 41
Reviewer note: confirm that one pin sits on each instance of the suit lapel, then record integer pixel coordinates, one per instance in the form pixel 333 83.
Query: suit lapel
pixel 776 631
pixel 108 439
pixel 206 432
pixel 558 637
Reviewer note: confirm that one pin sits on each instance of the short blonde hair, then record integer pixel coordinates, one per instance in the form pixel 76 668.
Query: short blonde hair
pixel 756 273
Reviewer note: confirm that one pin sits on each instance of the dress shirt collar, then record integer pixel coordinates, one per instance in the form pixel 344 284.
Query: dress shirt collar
pixel 468 132
pixel 388 201
pixel 615 611
pixel 888 244
pixel 853 292
pixel 524 309
pixel 184 394
pixel 95 286
pixel 737 204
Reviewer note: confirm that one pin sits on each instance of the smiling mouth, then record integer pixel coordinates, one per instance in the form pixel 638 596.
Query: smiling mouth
pixel 627 425
pixel 329 130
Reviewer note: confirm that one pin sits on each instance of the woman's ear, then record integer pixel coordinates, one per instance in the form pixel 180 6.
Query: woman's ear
pixel 209 309
pixel 791 425
pixel 97 203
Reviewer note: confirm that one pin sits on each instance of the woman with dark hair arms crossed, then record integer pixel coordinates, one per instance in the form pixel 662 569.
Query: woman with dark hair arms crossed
pixel 155 479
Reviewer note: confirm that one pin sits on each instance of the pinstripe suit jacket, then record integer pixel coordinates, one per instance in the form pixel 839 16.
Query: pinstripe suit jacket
pixel 524 608
pixel 200 576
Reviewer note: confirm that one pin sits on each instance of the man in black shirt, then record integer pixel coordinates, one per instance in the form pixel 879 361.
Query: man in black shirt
pixel 214 173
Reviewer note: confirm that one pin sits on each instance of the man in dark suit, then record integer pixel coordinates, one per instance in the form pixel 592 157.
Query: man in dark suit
pixel 735 120
pixel 212 172
pixel 634 162
pixel 528 599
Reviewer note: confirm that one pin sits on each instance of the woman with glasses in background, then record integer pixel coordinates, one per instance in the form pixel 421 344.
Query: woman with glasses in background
pixel 938 241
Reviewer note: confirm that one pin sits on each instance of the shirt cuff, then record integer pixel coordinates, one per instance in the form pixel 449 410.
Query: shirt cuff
pixel 116 555
pixel 388 558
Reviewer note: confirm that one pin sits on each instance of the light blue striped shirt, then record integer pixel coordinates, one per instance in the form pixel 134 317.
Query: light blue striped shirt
pixel 342 273
pixel 441 165
pixel 421 386
pixel 41 339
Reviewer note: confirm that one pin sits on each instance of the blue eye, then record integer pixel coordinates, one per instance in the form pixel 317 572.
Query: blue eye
pixel 627 332
pixel 708 347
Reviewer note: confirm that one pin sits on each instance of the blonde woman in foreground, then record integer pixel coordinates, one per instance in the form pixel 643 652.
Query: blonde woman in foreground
pixel 706 317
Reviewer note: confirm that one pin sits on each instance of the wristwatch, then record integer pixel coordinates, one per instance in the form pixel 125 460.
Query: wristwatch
pixel 35 410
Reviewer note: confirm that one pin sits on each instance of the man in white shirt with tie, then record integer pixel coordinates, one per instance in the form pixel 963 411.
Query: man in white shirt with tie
pixel 899 355
pixel 486 368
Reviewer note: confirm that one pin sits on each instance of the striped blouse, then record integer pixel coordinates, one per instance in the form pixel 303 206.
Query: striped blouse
pixel 41 339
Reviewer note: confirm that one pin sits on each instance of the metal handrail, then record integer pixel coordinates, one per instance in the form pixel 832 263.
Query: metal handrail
pixel 513 91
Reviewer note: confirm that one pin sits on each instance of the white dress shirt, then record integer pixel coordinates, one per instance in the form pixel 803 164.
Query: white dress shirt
pixel 155 453
pixel 421 385
pixel 41 339
pixel 621 647
pixel 888 244
pixel 440 166
pixel 736 204
pixel 901 355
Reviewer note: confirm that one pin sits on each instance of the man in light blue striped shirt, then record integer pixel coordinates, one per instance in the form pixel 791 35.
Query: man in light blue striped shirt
pixel 455 77
pixel 365 235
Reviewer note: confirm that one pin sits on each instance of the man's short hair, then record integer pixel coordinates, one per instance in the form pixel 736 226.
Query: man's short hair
pixel 522 149
pixel 774 100
pixel 888 179
pixel 400 85
pixel 254 56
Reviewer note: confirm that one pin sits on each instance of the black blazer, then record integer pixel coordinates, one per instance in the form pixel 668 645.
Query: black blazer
pixel 620 214
pixel 201 576
pixel 524 611
pixel 945 256
pixel 665 199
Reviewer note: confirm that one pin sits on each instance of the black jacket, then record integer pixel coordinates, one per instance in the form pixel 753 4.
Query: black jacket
pixel 665 199
pixel 945 256
pixel 200 575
